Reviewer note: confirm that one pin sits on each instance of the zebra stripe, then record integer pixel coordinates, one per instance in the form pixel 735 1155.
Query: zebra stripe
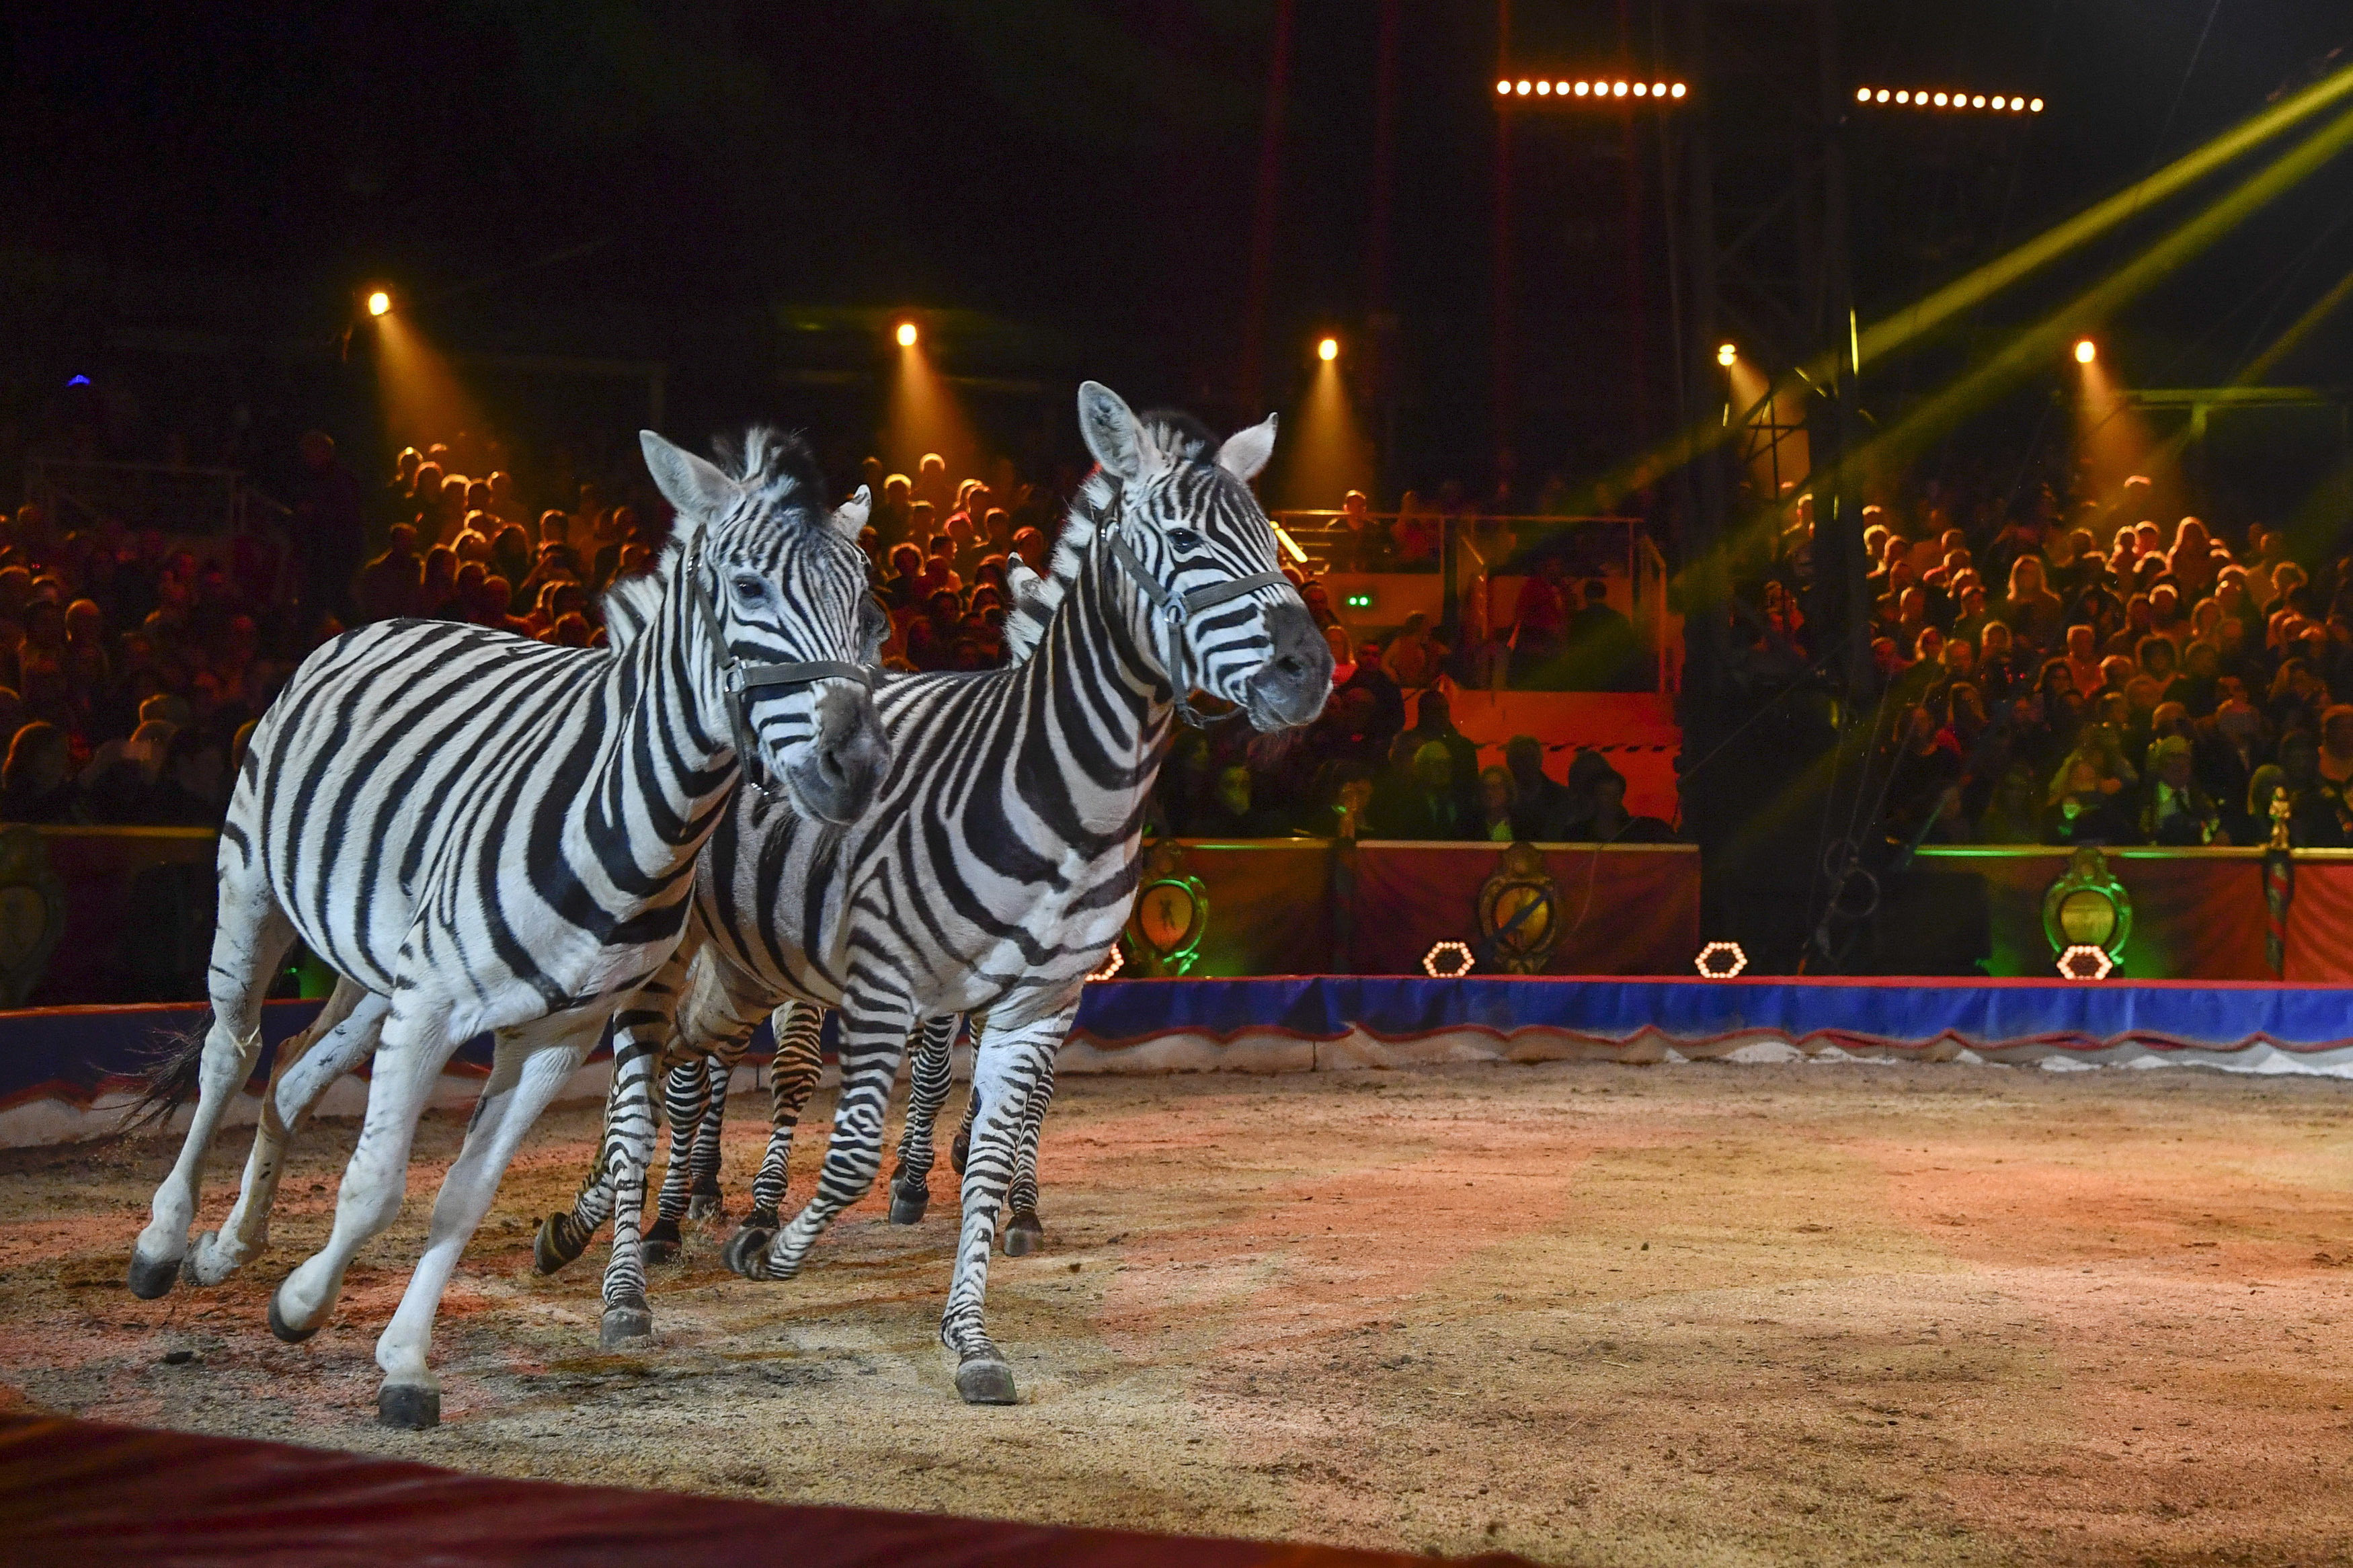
pixel 1000 860
pixel 482 832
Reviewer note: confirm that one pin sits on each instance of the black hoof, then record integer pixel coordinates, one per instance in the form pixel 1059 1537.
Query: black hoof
pixel 1024 1236
pixel 406 1406
pixel 662 1241
pixel 986 1383
pixel 908 1204
pixel 625 1321
pixel 959 1151
pixel 148 1280
pixel 561 1240
pixel 745 1248
pixel 761 1219
pixel 294 1336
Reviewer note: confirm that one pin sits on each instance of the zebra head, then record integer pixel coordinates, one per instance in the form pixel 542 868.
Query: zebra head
pixel 788 628
pixel 1187 529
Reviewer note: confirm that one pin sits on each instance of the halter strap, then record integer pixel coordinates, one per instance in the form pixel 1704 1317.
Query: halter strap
pixel 1175 655
pixel 736 678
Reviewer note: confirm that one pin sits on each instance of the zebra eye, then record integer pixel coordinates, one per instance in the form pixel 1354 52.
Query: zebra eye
pixel 749 589
pixel 1183 537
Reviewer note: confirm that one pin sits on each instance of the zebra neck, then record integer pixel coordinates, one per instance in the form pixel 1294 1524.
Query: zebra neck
pixel 669 761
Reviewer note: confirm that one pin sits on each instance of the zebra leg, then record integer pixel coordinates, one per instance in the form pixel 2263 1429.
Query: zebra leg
pixel 792 1078
pixel 566 1234
pixel 250 940
pixel 641 1030
pixel 686 1100
pixel 416 1047
pixel 874 1031
pixel 910 1184
pixel 704 1200
pixel 1023 1233
pixel 1010 1065
pixel 530 1067
pixel 343 1036
pixel 960 1150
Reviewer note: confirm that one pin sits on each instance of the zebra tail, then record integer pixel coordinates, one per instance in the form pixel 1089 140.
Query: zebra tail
pixel 174 1070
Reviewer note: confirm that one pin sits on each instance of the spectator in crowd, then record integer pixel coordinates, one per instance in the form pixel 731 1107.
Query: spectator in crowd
pixel 1542 806
pixel 1427 804
pixel 1603 650
pixel 330 527
pixel 1540 621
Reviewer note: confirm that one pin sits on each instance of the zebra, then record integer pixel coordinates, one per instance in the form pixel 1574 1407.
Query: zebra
pixel 1002 860
pixel 694 1094
pixel 477 831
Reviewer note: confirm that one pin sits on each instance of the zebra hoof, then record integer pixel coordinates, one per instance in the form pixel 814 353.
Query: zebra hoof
pixel 149 1279
pixel 626 1319
pixel 761 1219
pixel 986 1383
pixel 908 1204
pixel 706 1206
pixel 1024 1235
pixel 662 1241
pixel 745 1248
pixel 403 1405
pixel 291 1334
pixel 959 1151
pixel 561 1240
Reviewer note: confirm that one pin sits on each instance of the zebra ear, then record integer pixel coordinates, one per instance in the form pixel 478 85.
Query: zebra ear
pixel 694 487
pixel 1246 451
pixel 1113 433
pixel 849 517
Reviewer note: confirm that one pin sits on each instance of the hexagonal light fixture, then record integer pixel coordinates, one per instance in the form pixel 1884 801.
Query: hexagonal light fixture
pixel 1458 952
pixel 1114 962
pixel 1720 961
pixel 2085 962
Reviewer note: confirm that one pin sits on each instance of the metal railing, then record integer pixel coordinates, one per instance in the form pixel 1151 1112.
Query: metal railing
pixel 179 500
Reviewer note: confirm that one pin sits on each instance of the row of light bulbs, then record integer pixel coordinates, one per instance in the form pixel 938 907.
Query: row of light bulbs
pixel 1523 87
pixel 1924 99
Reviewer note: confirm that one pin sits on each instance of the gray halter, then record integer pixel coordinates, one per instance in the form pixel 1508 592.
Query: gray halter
pixel 736 678
pixel 1174 656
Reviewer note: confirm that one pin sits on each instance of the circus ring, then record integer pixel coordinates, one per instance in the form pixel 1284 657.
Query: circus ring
pixel 1622 1271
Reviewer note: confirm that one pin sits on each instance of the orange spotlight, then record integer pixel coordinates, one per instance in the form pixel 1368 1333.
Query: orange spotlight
pixel 1725 354
pixel 1328 350
pixel 907 334
pixel 2086 351
pixel 1544 90
pixel 1617 89
pixel 1583 87
pixel 1676 91
pixel 1521 89
pixel 2035 105
pixel 1862 95
pixel 1903 97
pixel 1641 89
pixel 379 303
pixel 1504 87
pixel 1940 101
pixel 1658 90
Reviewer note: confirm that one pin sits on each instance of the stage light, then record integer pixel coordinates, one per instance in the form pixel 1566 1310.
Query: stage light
pixel 1977 102
pixel 2086 351
pixel 1641 89
pixel 1675 91
pixel 1940 101
pixel 1114 962
pixel 379 303
pixel 1862 95
pixel 1880 97
pixel 907 334
pixel 1583 87
pixel 1328 350
pixel 1521 89
pixel 1504 87
pixel 1902 98
pixel 1544 90
pixel 2034 106
pixel 1617 89
pixel 1720 961
pixel 1359 600
pixel 2017 103
pixel 2083 952
pixel 1447 950
pixel 1290 545
pixel 1725 354
pixel 76 381
pixel 1658 90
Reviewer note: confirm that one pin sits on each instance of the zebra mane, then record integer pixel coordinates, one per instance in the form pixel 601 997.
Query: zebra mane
pixel 1036 599
pixel 777 469
pixel 1179 435
pixel 632 603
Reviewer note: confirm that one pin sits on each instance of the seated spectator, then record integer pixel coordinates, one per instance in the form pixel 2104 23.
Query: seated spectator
pixel 1499 819
pixel 1427 805
pixel 35 784
pixel 1434 721
pixel 1231 811
pixel 1541 805
pixel 1611 821
pixel 2085 802
pixel 1412 657
pixel 2175 811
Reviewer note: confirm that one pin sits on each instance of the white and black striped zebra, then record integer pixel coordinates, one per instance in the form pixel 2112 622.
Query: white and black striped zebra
pixel 479 831
pixel 1000 861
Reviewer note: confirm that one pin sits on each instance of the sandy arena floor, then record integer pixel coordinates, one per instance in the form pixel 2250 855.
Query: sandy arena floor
pixel 1678 1315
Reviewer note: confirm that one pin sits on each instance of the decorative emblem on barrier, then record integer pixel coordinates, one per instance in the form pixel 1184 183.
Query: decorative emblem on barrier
pixel 1172 913
pixel 1519 920
pixel 2087 907
pixel 1721 960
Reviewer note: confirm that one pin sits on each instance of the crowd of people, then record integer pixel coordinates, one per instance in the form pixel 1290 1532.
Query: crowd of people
pixel 132 664
pixel 2101 676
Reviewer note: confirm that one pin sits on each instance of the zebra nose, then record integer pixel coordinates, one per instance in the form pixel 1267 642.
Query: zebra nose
pixel 849 758
pixel 1297 675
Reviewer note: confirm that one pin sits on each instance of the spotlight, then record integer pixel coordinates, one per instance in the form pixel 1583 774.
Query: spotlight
pixel 1880 97
pixel 1521 89
pixel 1328 350
pixel 1544 90
pixel 1617 89
pixel 1458 952
pixel 1720 961
pixel 1902 98
pixel 1504 87
pixel 1940 101
pixel 907 334
pixel 1561 88
pixel 1641 89
pixel 1977 102
pixel 1920 98
pixel 2034 105
pixel 1725 354
pixel 2086 351
pixel 1675 91
pixel 1583 87
pixel 1862 95
pixel 379 303
pixel 1658 90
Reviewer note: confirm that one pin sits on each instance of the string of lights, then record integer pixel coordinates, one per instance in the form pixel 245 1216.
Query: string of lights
pixel 1927 98
pixel 1590 91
